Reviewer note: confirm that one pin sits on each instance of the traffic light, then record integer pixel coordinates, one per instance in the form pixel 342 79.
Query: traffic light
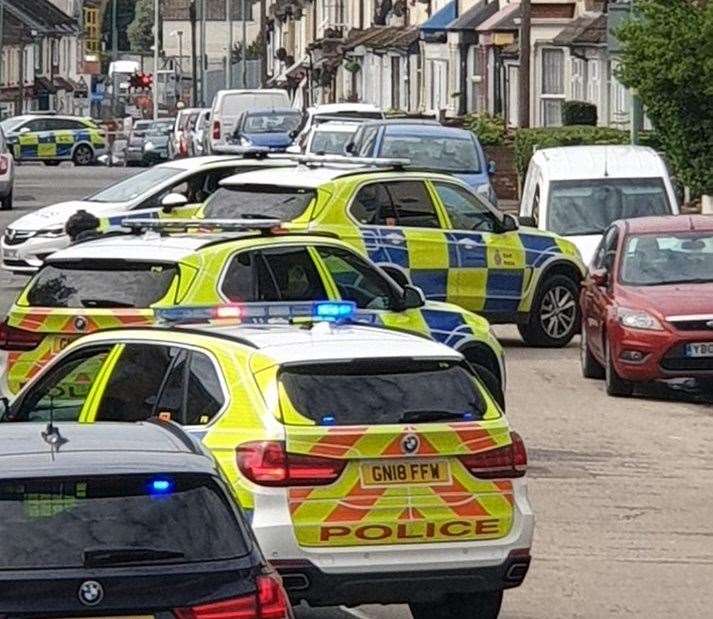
pixel 141 81
pixel 134 83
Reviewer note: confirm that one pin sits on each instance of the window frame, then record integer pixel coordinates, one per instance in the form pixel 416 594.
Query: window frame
pixel 435 201
pixel 496 214
pixel 549 97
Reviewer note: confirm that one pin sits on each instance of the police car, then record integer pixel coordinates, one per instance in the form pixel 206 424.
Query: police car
pixel 117 280
pixel 426 228
pixel 375 466
pixel 28 240
pixel 149 527
pixel 52 139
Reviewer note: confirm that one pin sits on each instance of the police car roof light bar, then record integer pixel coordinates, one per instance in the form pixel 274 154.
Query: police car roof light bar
pixel 197 225
pixel 326 160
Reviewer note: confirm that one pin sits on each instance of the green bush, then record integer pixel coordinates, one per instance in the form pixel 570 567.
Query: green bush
pixel 579 113
pixel 490 130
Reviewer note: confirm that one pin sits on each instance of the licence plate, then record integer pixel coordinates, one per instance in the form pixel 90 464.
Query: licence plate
pixel 405 472
pixel 704 349
pixel 10 254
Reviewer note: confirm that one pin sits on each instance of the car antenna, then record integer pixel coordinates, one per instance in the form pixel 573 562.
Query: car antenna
pixel 51 433
pixel 606 162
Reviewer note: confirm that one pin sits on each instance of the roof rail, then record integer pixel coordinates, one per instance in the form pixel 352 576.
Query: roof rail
pixel 326 160
pixel 167 226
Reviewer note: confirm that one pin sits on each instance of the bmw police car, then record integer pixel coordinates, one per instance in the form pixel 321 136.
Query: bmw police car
pixel 375 466
pixel 427 228
pixel 118 280
pixel 28 240
pixel 52 139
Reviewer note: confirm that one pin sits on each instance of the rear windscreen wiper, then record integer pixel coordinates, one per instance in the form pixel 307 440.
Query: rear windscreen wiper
pixel 104 303
pixel 418 416
pixel 124 556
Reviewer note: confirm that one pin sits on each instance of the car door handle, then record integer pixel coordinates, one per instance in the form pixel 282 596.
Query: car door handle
pixel 467 243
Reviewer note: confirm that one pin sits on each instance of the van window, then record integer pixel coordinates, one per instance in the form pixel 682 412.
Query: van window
pixel 235 104
pixel 582 207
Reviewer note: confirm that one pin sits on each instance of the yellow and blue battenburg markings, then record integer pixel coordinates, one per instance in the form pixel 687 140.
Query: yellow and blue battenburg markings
pixel 54 144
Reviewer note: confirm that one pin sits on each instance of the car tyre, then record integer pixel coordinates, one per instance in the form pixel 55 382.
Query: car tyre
pixel 615 384
pixel 555 316
pixel 485 605
pixel 591 368
pixel 6 202
pixel 491 382
pixel 83 155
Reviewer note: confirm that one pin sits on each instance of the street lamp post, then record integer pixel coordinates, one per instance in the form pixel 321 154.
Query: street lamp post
pixel 229 55
pixel 244 54
pixel 155 59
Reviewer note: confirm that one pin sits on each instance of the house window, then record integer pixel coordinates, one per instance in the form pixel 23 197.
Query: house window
pixel 438 94
pixel 579 79
pixel 395 83
pixel 54 48
pixel 594 82
pixel 552 87
pixel 39 56
pixel 513 102
pixel 91 29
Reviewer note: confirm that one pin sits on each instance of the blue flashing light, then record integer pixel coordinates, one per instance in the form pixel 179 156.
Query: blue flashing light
pixel 333 311
pixel 328 420
pixel 468 417
pixel 160 486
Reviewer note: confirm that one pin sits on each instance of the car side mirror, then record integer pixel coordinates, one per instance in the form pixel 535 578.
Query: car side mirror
pixel 492 168
pixel 173 200
pixel 413 297
pixel 599 277
pixel 509 223
pixel 528 221
pixel 349 148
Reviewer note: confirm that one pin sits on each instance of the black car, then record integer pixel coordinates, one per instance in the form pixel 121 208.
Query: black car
pixel 124 519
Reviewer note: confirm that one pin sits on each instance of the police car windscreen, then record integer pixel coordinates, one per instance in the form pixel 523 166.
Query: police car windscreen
pixel 107 284
pixel 255 201
pixel 378 391
pixel 116 520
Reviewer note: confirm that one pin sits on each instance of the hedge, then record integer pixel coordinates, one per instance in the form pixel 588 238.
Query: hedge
pixel 579 113
pixel 490 130
pixel 529 140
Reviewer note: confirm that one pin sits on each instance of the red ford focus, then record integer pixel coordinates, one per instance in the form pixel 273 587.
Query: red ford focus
pixel 647 304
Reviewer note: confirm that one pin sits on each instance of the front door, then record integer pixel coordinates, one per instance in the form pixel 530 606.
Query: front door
pixel 403 233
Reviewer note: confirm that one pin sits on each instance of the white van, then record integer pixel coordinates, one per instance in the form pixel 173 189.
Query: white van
pixel 228 105
pixel 577 191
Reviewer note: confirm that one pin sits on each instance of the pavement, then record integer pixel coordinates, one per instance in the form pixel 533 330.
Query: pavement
pixel 622 488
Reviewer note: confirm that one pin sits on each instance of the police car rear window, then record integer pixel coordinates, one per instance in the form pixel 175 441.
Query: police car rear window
pixel 376 391
pixel 103 521
pixel 258 201
pixel 101 284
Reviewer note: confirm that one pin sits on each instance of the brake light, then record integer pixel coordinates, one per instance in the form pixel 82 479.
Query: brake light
pixel 267 463
pixel 4 164
pixel 216 130
pixel 268 602
pixel 508 461
pixel 12 338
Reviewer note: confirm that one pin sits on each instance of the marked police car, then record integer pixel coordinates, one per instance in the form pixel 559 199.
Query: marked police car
pixel 149 527
pixel 52 139
pixel 375 466
pixel 28 240
pixel 118 280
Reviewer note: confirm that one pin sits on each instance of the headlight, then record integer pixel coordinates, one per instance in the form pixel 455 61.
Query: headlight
pixel 149 146
pixel 638 319
pixel 245 142
pixel 51 233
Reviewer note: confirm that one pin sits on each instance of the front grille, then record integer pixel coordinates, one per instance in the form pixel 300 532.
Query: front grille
pixel 17 237
pixel 16 263
pixel 699 324
pixel 675 360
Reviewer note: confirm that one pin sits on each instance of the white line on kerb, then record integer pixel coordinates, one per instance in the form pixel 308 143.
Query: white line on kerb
pixel 355 613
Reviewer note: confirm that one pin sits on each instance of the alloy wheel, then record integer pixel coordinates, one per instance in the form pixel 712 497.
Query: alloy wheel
pixel 558 312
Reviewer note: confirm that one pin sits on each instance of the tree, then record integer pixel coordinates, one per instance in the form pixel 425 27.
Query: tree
pixel 667 59
pixel 140 30
pixel 125 15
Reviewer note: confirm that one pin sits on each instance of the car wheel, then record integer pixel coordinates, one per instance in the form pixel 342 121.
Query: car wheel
pixel 491 382
pixel 616 386
pixel 6 202
pixel 52 162
pixel 554 316
pixel 83 155
pixel 484 605
pixel 591 368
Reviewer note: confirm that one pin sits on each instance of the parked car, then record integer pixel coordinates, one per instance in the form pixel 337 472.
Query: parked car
pixel 330 138
pixel 28 240
pixel 228 105
pixel 158 142
pixel 345 111
pixel 273 129
pixel 7 174
pixel 199 134
pixel 52 138
pixel 647 304
pixel 578 191
pixel 149 525
pixel 134 153
pixel 185 121
pixel 429 146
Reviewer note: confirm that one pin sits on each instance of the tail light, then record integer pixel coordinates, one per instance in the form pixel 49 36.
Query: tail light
pixel 267 463
pixel 4 164
pixel 216 130
pixel 508 461
pixel 12 338
pixel 183 146
pixel 268 602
